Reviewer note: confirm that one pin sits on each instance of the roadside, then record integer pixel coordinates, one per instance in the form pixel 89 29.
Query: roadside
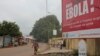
pixel 26 50
pixel 43 47
pixel 56 50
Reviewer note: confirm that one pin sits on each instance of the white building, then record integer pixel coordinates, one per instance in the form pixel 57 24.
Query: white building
pixel 29 39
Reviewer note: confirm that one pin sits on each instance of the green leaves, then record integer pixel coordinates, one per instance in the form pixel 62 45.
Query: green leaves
pixel 9 28
pixel 43 28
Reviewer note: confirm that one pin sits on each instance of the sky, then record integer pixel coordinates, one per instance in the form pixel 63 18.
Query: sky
pixel 26 12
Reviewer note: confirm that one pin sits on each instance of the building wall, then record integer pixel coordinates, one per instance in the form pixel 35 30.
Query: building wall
pixel 93 46
pixel 72 43
pixel 55 42
pixel 97 47
pixel 1 41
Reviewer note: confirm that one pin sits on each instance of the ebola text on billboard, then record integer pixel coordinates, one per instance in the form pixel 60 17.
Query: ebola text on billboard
pixel 80 15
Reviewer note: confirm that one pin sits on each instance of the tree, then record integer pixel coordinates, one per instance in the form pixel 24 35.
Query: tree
pixel 9 28
pixel 43 28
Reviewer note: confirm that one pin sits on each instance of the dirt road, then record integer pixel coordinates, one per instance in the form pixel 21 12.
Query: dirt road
pixel 26 50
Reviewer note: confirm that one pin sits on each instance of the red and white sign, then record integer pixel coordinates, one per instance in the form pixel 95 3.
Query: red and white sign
pixel 80 15
pixel 91 33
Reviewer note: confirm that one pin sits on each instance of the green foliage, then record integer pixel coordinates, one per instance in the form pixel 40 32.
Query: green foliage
pixel 43 28
pixel 9 28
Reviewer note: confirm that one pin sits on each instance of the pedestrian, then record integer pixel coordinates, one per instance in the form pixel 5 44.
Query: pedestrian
pixel 63 44
pixel 35 46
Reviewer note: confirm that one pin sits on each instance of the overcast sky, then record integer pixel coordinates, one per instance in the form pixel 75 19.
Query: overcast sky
pixel 26 12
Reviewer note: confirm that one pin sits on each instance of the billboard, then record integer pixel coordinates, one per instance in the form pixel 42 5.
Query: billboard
pixel 78 15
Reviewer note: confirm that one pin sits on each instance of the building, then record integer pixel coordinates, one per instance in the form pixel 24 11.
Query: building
pixel 55 42
pixel 28 39
pixel 1 41
pixel 81 24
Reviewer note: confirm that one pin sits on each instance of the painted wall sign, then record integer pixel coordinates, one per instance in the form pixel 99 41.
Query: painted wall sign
pixel 92 33
pixel 80 15
pixel 82 50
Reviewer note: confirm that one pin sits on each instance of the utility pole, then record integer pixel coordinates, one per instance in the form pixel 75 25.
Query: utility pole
pixel 46 7
pixel 46 17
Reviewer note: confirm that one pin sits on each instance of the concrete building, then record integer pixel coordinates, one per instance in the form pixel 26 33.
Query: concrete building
pixel 1 41
pixel 28 39
pixel 93 45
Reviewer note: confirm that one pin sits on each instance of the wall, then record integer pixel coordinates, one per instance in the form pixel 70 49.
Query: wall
pixel 93 45
pixel 1 41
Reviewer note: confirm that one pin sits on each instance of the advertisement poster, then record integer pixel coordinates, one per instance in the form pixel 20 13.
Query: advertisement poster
pixel 81 15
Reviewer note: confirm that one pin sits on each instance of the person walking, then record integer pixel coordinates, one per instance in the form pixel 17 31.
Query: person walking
pixel 63 45
pixel 35 46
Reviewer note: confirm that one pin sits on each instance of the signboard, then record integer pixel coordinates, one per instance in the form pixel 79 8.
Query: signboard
pixel 80 15
pixel 54 32
pixel 82 48
pixel 92 33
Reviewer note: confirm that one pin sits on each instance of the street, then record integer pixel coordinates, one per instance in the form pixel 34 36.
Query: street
pixel 26 50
